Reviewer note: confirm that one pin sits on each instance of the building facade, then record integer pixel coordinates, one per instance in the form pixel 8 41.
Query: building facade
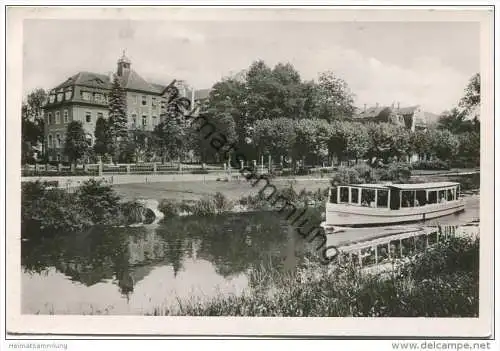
pixel 412 117
pixel 84 97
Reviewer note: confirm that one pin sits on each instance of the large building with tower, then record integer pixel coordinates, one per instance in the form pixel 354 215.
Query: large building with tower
pixel 84 97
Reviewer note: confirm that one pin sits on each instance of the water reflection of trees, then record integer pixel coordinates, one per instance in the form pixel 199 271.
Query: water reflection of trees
pixel 232 243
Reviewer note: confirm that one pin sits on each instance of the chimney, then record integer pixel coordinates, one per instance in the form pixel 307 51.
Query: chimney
pixel 364 109
pixel 392 105
pixel 398 105
pixel 376 105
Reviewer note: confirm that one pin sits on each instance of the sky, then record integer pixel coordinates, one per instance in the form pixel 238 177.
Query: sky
pixel 414 63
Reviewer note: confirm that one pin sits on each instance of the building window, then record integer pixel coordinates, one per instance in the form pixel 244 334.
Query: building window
pixel 50 141
pixel 155 121
pixel 153 103
pixel 99 115
pixel 88 117
pixel 134 120
pixel 144 100
pixel 144 121
pixel 60 97
pixel 52 98
pixel 98 97
pixel 58 140
pixel 58 158
pixel 49 118
pixel 68 94
pixel 86 96
pixel 65 116
pixel 134 99
pixel 58 117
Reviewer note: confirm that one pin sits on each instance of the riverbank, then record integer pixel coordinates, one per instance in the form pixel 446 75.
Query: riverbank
pixel 441 282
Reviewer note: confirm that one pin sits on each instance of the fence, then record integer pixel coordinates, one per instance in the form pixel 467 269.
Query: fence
pixel 117 169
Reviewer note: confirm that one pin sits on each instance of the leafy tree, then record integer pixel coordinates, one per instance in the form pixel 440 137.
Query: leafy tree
pixel 444 144
pixel 275 137
pixel 103 138
pixel 117 117
pixel 357 139
pixel 172 134
pixel 335 98
pixel 387 141
pixel 76 145
pixel 456 121
pixel 472 97
pixel 32 123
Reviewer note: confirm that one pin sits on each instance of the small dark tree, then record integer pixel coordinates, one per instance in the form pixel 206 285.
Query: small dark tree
pixel 103 138
pixel 117 117
pixel 76 145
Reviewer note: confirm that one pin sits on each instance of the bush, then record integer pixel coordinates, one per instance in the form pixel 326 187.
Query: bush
pixel 99 201
pixel 346 175
pixel 397 172
pixel 222 203
pixel 45 210
pixel 169 207
pixel 205 207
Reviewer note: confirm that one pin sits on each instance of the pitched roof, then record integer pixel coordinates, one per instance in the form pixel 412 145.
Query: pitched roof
pixel 372 112
pixel 89 79
pixel 406 110
pixel 133 81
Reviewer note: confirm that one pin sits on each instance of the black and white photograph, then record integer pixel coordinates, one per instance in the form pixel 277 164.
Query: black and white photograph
pixel 250 162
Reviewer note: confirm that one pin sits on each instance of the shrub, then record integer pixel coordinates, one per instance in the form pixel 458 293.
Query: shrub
pixel 397 172
pixel 222 203
pixel 346 175
pixel 169 207
pixel 205 207
pixel 45 211
pixel 99 201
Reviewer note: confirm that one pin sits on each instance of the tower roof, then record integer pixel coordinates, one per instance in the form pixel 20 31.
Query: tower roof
pixel 124 58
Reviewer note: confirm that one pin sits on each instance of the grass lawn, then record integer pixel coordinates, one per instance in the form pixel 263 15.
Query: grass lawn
pixel 234 190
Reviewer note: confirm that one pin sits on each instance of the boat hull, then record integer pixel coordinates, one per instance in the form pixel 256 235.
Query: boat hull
pixel 354 216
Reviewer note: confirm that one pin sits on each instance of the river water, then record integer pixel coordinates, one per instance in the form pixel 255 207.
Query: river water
pixel 135 270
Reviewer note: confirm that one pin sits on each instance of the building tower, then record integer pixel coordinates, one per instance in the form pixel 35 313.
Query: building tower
pixel 123 66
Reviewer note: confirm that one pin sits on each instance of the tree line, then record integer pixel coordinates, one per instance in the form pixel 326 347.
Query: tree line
pixel 269 111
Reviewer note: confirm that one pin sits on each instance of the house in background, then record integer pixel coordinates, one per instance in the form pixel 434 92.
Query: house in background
pixel 84 97
pixel 411 117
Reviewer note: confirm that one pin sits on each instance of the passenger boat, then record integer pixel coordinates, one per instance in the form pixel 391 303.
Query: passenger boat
pixel 363 205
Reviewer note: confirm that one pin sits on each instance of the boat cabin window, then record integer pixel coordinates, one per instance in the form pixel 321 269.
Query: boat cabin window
pixel 451 197
pixel 382 198
pixel 432 197
pixel 421 198
pixel 368 197
pixel 407 198
pixel 355 196
pixel 344 194
pixel 442 195
pixel 333 195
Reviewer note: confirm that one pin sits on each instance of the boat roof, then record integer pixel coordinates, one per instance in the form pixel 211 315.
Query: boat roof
pixel 415 186
pixel 371 186
pixel 419 186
